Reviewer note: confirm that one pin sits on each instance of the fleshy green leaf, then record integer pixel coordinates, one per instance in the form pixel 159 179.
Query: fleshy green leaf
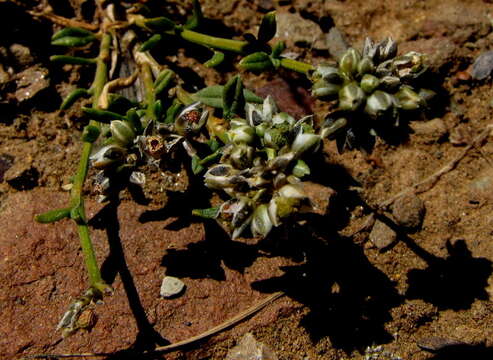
pixel 196 167
pixel 210 213
pixel 259 61
pixel 90 133
pixel 233 98
pixel 197 17
pixel 215 60
pixel 73 97
pixel 301 169
pixel 102 115
pixel 173 111
pixel 163 81
pixel 268 27
pixel 71 31
pixel 159 24
pixel 278 48
pixel 52 216
pixel 73 40
pixel 72 60
pixel 212 96
pixel 150 43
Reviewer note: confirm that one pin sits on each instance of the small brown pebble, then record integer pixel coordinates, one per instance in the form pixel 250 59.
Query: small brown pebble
pixel 408 211
pixel 382 236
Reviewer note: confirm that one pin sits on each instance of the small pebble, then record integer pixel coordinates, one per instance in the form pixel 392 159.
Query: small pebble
pixel 382 236
pixel 483 66
pixel 171 286
pixel 408 211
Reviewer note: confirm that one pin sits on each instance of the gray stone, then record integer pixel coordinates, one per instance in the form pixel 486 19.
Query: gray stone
pixel 483 66
pixel 171 286
pixel 293 29
pixel 30 82
pixel 336 43
pixel 382 236
pixel 250 349
pixel 408 211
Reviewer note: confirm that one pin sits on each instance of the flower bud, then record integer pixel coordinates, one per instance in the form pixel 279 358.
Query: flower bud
pixel 219 176
pixel 369 83
pixel 261 223
pixel 253 113
pixel 351 97
pixel 378 102
pixel 241 156
pixel 365 66
pixel 269 108
pixel 323 89
pixel 242 134
pixel 387 49
pixel 408 99
pixel 304 142
pixel 349 62
pixel 122 132
pixel 327 73
pixel 389 83
pixel 107 155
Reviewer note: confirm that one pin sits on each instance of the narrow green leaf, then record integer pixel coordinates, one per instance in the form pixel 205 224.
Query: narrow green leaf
pixel 150 43
pixel 134 120
pixel 157 109
pixel 268 27
pixel 52 216
pixel 197 168
pixel 233 98
pixel 213 143
pixel 197 17
pixel 102 115
pixel 73 40
pixel 73 97
pixel 210 213
pixel 173 111
pixel 90 133
pixel 278 48
pixel 159 24
pixel 163 81
pixel 212 157
pixel 71 31
pixel 213 96
pixel 259 61
pixel 72 60
pixel 215 60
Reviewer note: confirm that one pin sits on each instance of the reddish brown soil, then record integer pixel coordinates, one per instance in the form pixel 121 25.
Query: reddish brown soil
pixel 342 293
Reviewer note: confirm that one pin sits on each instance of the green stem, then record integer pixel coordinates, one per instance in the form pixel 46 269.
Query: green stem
pixel 150 97
pixel 76 200
pixel 236 46
pixel 298 66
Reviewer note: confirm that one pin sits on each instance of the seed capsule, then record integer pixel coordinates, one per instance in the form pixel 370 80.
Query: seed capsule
pixel 254 115
pixel 351 97
pixel 269 108
pixel 327 73
pixel 409 66
pixel 389 83
pixel 219 176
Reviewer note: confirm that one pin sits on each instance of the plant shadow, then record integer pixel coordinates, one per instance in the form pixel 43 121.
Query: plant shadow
pixel 147 337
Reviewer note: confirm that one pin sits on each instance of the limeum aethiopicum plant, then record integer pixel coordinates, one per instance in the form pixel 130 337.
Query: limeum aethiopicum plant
pixel 254 152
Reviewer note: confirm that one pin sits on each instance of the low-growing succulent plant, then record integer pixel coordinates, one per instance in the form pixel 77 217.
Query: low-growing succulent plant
pixel 371 89
pixel 261 169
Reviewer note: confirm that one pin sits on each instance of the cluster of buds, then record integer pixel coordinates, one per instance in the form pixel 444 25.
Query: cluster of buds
pixel 260 169
pixel 371 88
pixel 129 144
